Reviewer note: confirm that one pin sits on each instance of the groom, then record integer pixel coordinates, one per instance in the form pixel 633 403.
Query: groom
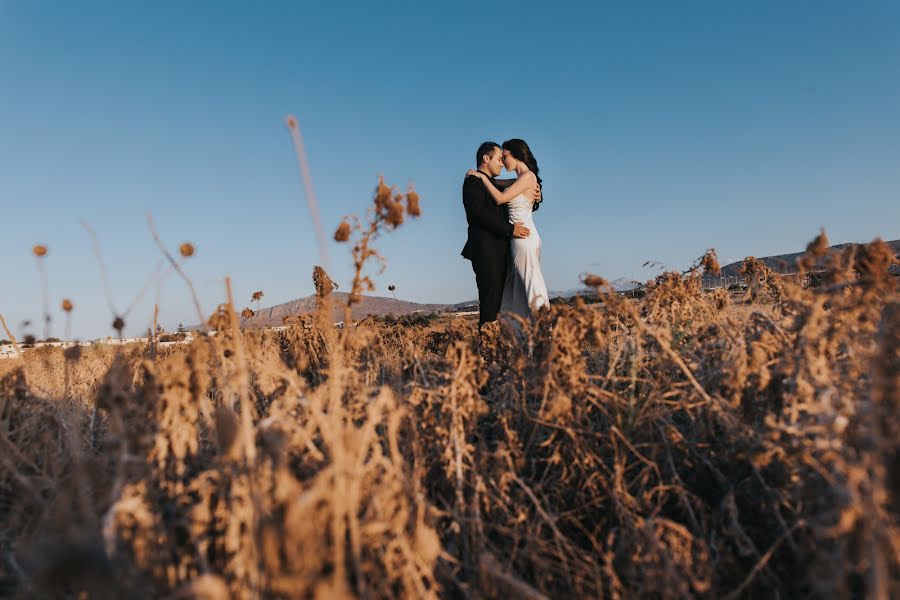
pixel 489 232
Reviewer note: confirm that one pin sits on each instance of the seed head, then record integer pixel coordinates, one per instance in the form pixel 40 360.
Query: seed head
pixel 710 262
pixel 394 215
pixel 247 313
pixel 816 249
pixel 186 249
pixel 291 121
pixel 343 232
pixel 819 246
pixel 595 281
pixel 874 260
pixel 118 324
pixel 412 203
pixel 67 305
pixel 382 194
pixel 392 287
pixel 39 250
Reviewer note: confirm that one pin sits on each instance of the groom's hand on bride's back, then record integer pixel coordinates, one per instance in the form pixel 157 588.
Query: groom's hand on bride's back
pixel 520 231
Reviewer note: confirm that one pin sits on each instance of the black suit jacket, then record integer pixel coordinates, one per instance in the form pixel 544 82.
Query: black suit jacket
pixel 489 226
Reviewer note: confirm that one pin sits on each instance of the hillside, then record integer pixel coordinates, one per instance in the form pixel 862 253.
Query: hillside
pixel 787 262
pixel 379 305
pixel 370 305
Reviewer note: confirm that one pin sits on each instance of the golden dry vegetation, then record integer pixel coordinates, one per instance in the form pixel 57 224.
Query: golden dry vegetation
pixel 685 444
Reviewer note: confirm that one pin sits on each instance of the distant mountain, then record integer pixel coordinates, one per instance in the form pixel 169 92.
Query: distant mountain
pixel 380 306
pixel 568 293
pixel 620 284
pixel 369 305
pixel 623 283
pixel 787 262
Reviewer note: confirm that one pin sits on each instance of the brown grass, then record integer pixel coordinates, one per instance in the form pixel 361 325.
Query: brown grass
pixel 677 446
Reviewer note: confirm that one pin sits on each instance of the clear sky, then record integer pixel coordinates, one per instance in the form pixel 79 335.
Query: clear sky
pixel 661 128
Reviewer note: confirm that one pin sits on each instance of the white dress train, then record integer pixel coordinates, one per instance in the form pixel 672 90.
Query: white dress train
pixel 524 289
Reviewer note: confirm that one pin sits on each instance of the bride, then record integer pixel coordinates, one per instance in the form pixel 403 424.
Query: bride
pixel 524 290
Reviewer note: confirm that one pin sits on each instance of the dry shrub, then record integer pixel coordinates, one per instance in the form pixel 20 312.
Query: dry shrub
pixel 763 281
pixel 680 445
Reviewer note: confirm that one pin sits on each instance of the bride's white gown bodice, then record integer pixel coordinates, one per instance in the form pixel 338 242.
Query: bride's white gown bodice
pixel 524 289
pixel 520 211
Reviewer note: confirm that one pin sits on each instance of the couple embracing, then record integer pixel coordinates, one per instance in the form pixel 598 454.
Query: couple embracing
pixel 503 242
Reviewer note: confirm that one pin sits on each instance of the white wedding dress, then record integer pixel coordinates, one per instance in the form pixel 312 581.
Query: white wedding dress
pixel 524 289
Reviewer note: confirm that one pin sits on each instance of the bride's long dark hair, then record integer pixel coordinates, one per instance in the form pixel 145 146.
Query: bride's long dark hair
pixel 520 151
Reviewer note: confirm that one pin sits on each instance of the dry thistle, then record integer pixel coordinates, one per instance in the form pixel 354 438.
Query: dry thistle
pixel 67 305
pixel 247 313
pixel 40 251
pixel 382 194
pixel 118 324
pixel 412 202
pixel 814 250
pixel 257 296
pixel 186 249
pixel 710 262
pixel 595 281
pixel 874 260
pixel 819 246
pixel 392 288
pixel 219 321
pixel 394 216
pixel 762 279
pixel 385 213
pixel 343 232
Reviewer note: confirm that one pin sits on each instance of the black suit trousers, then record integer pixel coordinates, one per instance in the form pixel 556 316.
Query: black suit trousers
pixel 490 276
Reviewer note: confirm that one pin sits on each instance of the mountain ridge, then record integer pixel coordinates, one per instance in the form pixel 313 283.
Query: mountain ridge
pixel 381 306
pixel 788 261
pixel 367 306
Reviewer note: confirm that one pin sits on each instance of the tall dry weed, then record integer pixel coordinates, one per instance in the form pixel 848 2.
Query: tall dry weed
pixel 686 444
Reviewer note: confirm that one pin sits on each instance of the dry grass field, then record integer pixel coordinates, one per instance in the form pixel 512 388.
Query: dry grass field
pixel 685 444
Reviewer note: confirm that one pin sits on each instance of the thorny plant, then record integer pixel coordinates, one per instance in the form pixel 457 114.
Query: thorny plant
pixel 387 213
pixel 686 444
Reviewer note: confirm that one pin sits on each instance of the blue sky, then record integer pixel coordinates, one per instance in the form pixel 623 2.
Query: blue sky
pixel 661 128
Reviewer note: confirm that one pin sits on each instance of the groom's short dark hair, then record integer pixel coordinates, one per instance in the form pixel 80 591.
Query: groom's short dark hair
pixel 485 148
